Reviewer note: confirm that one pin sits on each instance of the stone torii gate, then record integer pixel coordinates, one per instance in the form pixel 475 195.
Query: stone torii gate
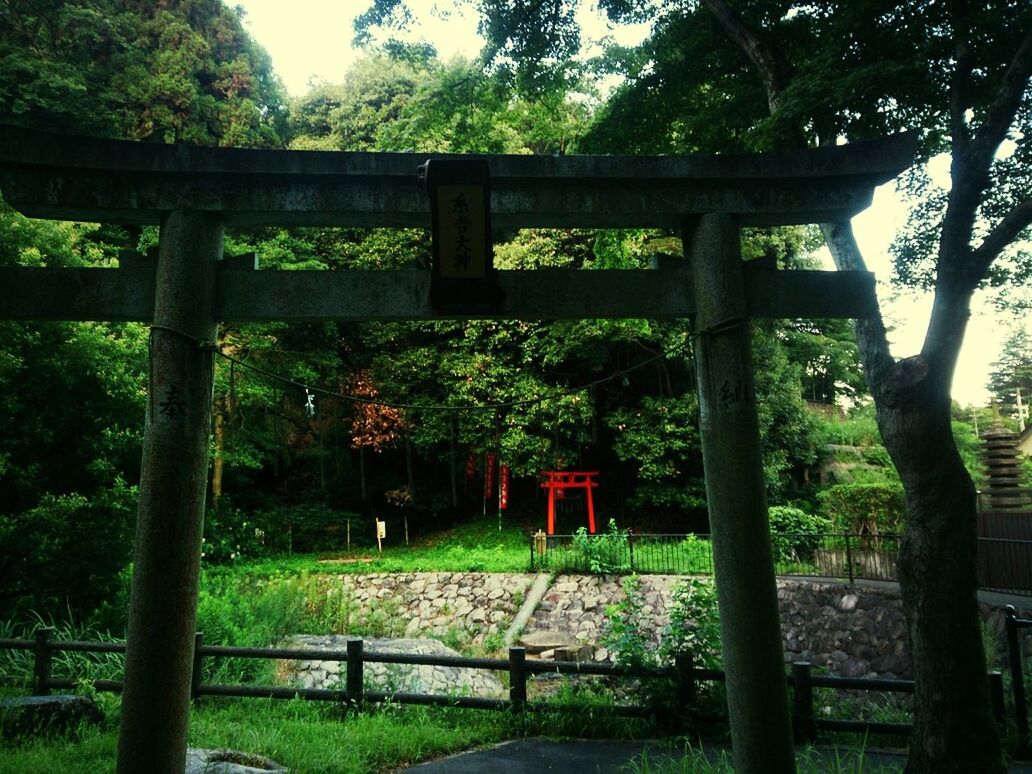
pixel 193 193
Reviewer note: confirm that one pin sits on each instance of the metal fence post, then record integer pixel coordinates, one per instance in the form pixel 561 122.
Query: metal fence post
pixel 849 559
pixel 354 676
pixel 803 728
pixel 1017 678
pixel 518 678
pixel 630 548
pixel 43 662
pixel 195 675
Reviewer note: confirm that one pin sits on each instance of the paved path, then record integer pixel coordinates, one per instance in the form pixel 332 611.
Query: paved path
pixel 594 756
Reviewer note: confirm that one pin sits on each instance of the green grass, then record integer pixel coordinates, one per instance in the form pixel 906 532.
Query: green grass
pixel 477 546
pixel 693 760
pixel 314 737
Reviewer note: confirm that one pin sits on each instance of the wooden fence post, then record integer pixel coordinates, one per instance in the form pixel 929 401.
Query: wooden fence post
pixel 996 698
pixel 685 680
pixel 43 662
pixel 1017 678
pixel 518 678
pixel 354 684
pixel 195 675
pixel 804 730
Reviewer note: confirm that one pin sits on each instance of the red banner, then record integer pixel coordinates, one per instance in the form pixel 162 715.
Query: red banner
pixel 503 487
pixel 471 467
pixel 489 466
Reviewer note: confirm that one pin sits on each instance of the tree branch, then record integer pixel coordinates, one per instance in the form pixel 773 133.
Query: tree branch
pixel 871 339
pixel 1002 234
pixel 969 171
pixel 959 87
pixel 761 56
pixel 1001 113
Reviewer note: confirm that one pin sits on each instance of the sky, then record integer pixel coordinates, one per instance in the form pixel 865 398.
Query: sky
pixel 310 40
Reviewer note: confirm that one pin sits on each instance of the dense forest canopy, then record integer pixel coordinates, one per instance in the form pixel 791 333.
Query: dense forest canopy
pixel 188 72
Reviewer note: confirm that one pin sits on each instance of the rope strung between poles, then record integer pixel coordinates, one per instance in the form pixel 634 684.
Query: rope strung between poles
pixel 436 407
pixel 311 392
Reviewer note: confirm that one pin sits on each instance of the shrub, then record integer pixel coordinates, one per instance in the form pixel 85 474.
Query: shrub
pixel 627 629
pixel 698 554
pixel 694 626
pixel 67 552
pixel 604 553
pixel 794 533
pixel 864 508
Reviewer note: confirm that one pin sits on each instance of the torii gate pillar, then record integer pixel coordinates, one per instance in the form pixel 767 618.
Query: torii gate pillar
pixel 757 696
pixel 173 483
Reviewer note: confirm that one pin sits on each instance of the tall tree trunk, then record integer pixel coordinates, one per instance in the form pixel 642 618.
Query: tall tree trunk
pixel 953 727
pixel 954 730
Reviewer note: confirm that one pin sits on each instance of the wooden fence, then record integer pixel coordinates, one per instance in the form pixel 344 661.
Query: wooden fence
pixel 687 677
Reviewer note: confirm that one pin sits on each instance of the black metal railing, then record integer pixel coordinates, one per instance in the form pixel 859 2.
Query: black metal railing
pixel 1004 565
pixel 830 555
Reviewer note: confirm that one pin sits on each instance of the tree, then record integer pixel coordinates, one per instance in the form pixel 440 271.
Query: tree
pixel 762 74
pixel 1011 374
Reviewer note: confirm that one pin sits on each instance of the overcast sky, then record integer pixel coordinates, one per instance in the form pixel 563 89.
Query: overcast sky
pixel 311 39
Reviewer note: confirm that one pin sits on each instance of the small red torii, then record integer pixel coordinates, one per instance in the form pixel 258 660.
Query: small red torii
pixel 558 481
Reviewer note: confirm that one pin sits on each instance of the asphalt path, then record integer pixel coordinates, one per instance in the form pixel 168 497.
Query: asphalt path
pixel 594 756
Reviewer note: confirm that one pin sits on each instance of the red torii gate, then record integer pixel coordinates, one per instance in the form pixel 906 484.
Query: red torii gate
pixel 558 481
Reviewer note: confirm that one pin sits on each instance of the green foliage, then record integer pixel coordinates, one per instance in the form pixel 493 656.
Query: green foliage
pixel 694 626
pixel 627 631
pixel 858 429
pixel 794 533
pixel 67 552
pixel 661 436
pixel 863 509
pixel 603 553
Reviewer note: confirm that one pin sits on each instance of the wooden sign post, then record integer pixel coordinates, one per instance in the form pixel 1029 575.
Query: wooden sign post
pixel 381 534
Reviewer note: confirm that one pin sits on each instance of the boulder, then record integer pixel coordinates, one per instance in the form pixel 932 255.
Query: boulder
pixel 25 716
pixel 202 761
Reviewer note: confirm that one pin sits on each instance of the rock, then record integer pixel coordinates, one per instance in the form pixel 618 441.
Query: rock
pixel 25 716
pixel 848 602
pixel 201 761
pixel 541 640
pixel 478 615
pixel 573 653
pixel 412 628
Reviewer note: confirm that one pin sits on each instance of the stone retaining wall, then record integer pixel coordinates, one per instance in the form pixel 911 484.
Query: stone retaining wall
pixel 852 631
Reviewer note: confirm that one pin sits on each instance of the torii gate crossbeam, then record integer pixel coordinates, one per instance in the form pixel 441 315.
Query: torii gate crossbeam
pixel 194 193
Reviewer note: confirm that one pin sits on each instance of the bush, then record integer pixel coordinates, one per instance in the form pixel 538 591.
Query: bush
pixel 794 533
pixel 694 626
pixel 871 509
pixel 627 629
pixel 66 554
pixel 604 553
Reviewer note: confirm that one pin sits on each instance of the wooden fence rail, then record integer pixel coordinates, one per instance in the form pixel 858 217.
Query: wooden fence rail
pixel 684 674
